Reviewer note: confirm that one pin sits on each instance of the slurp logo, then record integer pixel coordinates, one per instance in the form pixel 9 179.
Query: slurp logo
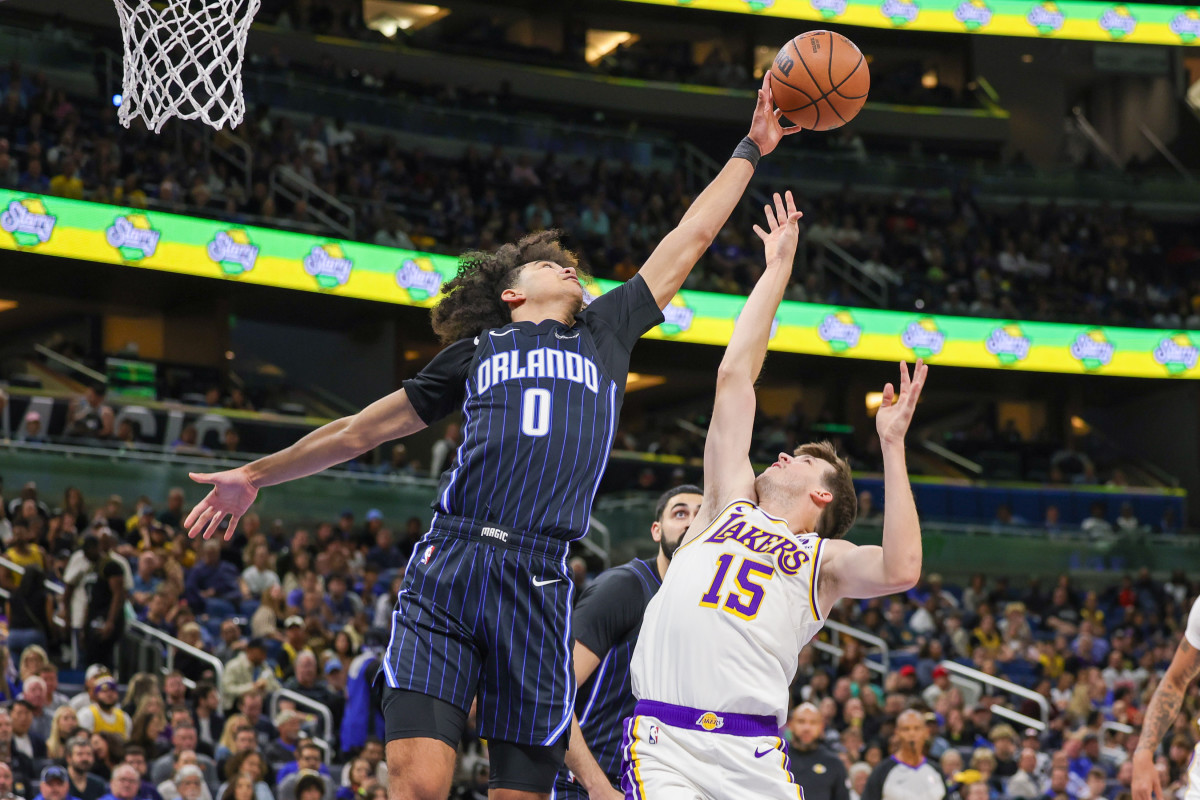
pixel 419 278
pixel 233 251
pixel 829 9
pixel 1118 22
pixel 923 337
pixel 1186 25
pixel 900 12
pixel 1009 344
pixel 133 236
pixel 840 331
pixel 329 265
pixel 677 317
pixel 1092 349
pixel 973 14
pixel 759 5
pixel 1177 353
pixel 1046 18
pixel 28 222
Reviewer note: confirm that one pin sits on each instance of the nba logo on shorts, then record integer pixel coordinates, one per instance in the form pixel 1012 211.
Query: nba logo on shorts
pixel 653 737
pixel 425 559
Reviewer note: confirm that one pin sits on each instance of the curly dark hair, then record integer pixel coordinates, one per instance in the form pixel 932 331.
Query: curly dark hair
pixel 471 302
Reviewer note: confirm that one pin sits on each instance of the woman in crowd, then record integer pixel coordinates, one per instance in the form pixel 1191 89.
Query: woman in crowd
pixel 63 726
pixel 108 751
pixel 249 765
pixel 141 685
pixel 148 728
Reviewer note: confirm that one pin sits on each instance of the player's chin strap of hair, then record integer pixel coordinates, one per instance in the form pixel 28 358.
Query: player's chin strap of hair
pixel 748 150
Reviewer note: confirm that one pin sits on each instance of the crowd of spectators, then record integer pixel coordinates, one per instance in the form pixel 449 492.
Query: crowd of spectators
pixel 942 252
pixel 307 609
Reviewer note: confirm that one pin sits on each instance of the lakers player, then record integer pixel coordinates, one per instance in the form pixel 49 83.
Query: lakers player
pixel 1161 716
pixel 761 566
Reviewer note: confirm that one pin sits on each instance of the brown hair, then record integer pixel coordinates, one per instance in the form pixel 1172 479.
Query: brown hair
pixel 839 514
pixel 471 301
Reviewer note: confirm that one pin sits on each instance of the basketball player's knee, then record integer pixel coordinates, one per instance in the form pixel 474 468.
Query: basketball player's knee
pixel 419 770
pixel 419 782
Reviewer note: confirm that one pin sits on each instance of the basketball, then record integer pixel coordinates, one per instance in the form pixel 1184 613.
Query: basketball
pixel 820 80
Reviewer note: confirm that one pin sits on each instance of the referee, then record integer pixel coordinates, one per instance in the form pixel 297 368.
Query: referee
pixel 606 622
pixel 815 767
pixel 906 775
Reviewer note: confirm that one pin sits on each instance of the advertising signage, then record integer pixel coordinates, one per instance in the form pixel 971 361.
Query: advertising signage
pixel 222 251
pixel 1140 23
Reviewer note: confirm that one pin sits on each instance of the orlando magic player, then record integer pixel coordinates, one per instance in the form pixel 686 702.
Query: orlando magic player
pixel 485 605
pixel 606 622
pixel 1162 713
pixel 762 564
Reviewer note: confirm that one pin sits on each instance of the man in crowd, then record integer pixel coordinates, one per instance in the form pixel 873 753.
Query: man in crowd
pixel 23 738
pixel 135 757
pixel 124 784
pixel 104 715
pixel 816 768
pixel 308 762
pixel 308 682
pixel 80 760
pixel 249 671
pixel 54 784
pixel 283 750
pixel 21 765
pixel 183 737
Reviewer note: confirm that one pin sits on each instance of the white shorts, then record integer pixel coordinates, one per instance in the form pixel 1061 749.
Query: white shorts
pixel 662 762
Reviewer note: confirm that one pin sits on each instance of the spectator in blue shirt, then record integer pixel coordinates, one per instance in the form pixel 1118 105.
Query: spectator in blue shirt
pixel 213 585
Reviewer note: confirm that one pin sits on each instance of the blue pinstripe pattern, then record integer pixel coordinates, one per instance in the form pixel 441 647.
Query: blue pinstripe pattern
pixel 469 621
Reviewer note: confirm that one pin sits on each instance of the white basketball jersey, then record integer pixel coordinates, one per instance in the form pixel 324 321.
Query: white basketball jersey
pixel 736 607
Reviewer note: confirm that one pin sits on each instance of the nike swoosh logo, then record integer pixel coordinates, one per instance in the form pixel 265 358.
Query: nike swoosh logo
pixel 764 752
pixel 503 333
pixel 537 582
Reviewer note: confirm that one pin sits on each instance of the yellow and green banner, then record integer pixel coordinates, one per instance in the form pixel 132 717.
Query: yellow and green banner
pixel 1140 23
pixel 218 250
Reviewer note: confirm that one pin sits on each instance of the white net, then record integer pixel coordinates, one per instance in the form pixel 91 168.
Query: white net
pixel 183 58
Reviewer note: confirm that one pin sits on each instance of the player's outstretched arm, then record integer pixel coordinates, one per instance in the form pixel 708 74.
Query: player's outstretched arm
pixel 670 263
pixel 872 571
pixel 728 474
pixel 1160 714
pixel 234 490
pixel 579 758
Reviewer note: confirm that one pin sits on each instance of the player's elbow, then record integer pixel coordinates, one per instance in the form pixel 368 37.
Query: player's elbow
pixel 905 576
pixel 733 375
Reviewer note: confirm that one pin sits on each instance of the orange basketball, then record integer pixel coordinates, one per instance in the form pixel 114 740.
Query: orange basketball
pixel 820 80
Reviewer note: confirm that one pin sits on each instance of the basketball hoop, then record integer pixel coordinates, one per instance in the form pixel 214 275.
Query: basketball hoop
pixel 183 58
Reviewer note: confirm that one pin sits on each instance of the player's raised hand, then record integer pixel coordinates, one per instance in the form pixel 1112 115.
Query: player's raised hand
pixel 765 128
pixel 896 412
pixel 232 494
pixel 783 234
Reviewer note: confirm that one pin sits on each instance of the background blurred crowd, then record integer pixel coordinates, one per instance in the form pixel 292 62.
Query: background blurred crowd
pixel 307 609
pixel 940 251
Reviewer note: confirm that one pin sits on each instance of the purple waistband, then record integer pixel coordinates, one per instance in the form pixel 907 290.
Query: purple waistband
pixel 697 719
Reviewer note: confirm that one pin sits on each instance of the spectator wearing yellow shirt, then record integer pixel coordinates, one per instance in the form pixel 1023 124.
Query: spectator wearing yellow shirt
pixel 67 183
pixel 23 552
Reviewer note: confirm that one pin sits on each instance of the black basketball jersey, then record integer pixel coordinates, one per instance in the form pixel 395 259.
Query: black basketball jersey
pixel 607 620
pixel 540 403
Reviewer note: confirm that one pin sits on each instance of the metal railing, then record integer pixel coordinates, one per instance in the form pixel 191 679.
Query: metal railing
pixel 852 271
pixel 871 640
pixel 140 628
pixel 308 702
pixel 293 186
pixel 71 363
pixel 837 653
pixel 974 675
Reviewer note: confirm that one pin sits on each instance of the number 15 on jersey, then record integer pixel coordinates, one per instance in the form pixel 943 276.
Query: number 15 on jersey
pixel 747 593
